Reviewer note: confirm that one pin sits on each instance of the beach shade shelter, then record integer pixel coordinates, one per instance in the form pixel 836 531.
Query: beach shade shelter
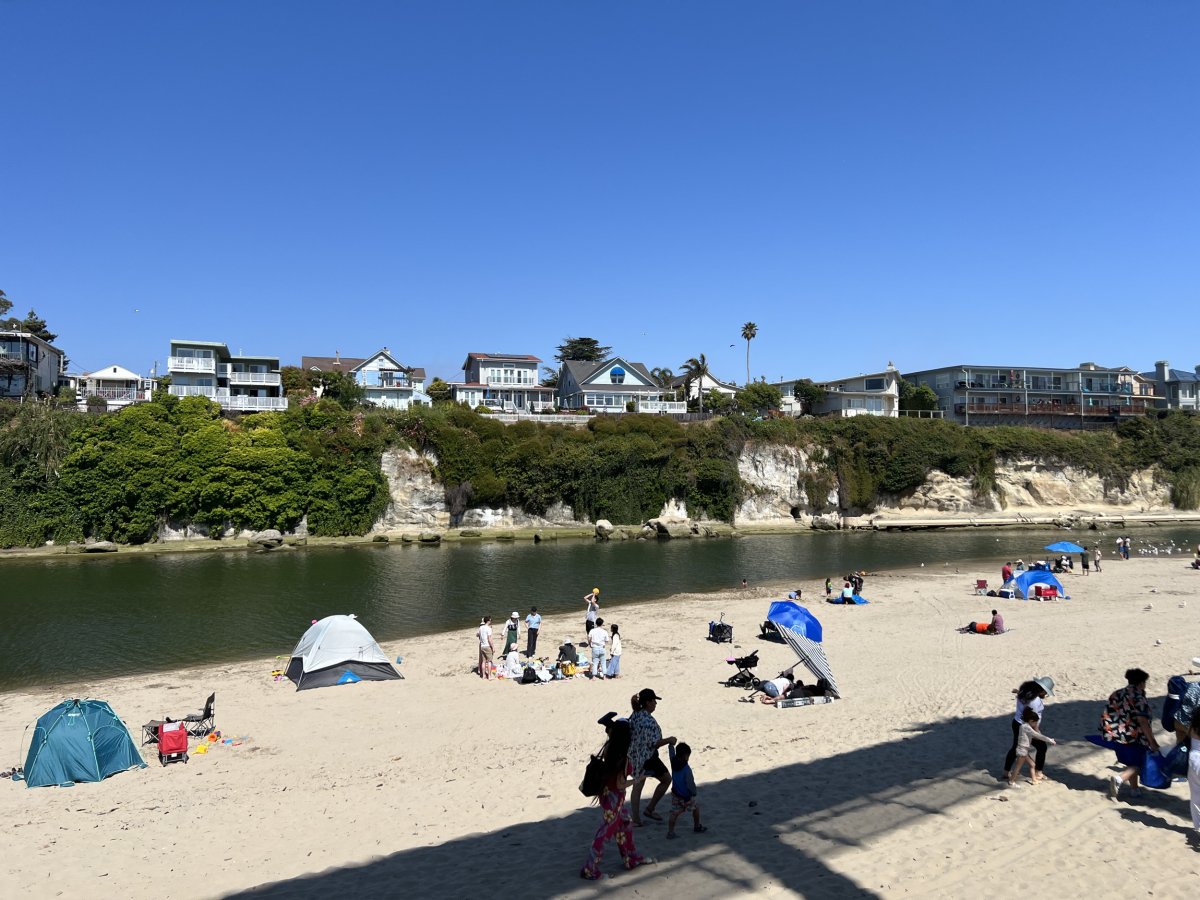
pixel 1065 547
pixel 79 740
pixel 811 654
pixel 1026 580
pixel 791 615
pixel 331 648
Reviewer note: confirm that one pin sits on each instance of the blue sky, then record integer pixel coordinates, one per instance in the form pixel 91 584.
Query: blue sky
pixel 923 182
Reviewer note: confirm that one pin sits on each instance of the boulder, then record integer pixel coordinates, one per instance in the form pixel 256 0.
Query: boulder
pixel 674 530
pixel 429 537
pixel 604 529
pixel 269 538
pixel 297 540
pixel 100 547
pixel 379 539
pixel 470 532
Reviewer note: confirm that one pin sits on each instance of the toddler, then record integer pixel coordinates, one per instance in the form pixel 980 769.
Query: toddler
pixel 1029 729
pixel 683 789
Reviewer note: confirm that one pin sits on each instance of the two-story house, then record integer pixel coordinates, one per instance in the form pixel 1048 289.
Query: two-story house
pixel 29 366
pixel 117 386
pixel 504 382
pixel 1085 396
pixel 703 385
pixel 240 383
pixel 1174 388
pixel 873 394
pixel 388 384
pixel 611 385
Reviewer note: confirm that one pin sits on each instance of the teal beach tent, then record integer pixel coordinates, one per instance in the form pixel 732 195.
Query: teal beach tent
pixel 79 740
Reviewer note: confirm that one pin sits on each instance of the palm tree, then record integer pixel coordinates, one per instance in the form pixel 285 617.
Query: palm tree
pixel 662 377
pixel 749 333
pixel 695 370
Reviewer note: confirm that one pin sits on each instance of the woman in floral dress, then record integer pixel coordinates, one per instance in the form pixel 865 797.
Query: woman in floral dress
pixel 616 824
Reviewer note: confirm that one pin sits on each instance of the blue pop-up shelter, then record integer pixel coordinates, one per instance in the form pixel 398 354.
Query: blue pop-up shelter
pixel 79 740
pixel 1025 580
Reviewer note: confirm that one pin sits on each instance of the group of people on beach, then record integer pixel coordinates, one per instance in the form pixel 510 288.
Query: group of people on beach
pixel 629 757
pixel 603 641
pixel 1126 727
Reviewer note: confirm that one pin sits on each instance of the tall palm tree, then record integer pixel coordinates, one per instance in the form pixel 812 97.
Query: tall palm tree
pixel 695 370
pixel 749 333
pixel 662 377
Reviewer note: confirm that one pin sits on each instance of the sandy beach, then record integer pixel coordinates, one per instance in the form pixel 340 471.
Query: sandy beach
pixel 444 785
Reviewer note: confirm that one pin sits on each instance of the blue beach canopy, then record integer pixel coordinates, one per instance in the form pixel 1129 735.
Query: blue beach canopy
pixel 1026 580
pixel 1065 547
pixel 79 740
pixel 788 614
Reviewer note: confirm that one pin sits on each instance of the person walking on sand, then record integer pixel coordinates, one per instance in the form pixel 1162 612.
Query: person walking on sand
pixel 683 789
pixel 593 609
pixel 598 639
pixel 486 649
pixel 643 753
pixel 1127 722
pixel 614 654
pixel 615 825
pixel 1084 561
pixel 1027 733
pixel 1096 558
pixel 533 624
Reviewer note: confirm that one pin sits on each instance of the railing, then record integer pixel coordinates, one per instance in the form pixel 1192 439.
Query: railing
pixel 548 419
pixel 512 382
pixel 130 394
pixel 922 413
pixel 238 377
pixel 1054 409
pixel 661 406
pixel 191 364
pixel 191 390
pixel 253 404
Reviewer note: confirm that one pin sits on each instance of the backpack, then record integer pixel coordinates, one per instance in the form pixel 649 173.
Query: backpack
pixel 529 676
pixel 593 777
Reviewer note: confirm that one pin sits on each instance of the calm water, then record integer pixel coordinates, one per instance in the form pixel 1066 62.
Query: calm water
pixel 77 618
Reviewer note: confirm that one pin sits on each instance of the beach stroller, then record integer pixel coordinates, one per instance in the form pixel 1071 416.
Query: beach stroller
pixel 744 677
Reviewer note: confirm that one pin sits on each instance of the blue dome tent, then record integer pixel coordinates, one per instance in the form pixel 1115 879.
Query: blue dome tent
pixel 1025 580
pixel 79 740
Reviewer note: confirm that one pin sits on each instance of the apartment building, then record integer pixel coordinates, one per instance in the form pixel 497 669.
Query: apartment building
pixel 238 383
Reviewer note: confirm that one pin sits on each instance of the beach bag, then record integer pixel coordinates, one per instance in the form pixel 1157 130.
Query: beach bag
pixel 593 778
pixel 529 676
pixel 1154 772
pixel 1175 762
pixel 567 668
pixel 1176 685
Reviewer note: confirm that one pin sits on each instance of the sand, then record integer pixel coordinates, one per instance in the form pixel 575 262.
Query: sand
pixel 443 785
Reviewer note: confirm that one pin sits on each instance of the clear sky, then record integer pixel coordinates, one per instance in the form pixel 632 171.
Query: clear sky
pixel 924 182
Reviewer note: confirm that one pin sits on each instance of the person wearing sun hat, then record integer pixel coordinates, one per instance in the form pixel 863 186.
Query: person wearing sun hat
pixel 1031 694
pixel 511 632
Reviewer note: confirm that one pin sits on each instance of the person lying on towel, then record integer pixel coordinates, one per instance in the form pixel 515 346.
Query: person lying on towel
pixel 996 626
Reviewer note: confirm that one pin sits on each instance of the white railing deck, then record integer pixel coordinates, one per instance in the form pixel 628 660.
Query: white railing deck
pixel 228 400
pixel 236 377
pixel 117 393
pixel 191 364
pixel 661 406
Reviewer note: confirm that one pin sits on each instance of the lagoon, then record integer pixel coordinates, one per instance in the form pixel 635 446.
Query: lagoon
pixel 74 619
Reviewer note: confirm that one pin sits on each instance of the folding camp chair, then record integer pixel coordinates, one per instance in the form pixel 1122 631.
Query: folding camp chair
pixel 981 586
pixel 201 723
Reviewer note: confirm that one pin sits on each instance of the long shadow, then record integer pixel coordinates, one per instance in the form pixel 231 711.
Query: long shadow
pixel 781 827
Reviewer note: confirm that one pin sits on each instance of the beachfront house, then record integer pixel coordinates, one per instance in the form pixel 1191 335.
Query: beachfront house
pixel 871 394
pixel 1087 396
pixel 612 385
pixel 1174 388
pixel 705 384
pixel 29 366
pixel 111 388
pixel 238 383
pixel 389 384
pixel 503 382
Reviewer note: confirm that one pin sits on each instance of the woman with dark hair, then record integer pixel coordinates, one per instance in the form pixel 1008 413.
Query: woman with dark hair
pixel 616 824
pixel 647 740
pixel 1126 721
pixel 1032 695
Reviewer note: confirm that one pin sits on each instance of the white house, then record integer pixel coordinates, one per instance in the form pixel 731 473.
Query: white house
pixel 389 384
pixel 208 369
pixel 504 382
pixel 29 366
pixel 117 386
pixel 610 386
pixel 704 384
pixel 874 394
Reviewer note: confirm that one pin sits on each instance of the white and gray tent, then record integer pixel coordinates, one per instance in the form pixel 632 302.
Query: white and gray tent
pixel 331 648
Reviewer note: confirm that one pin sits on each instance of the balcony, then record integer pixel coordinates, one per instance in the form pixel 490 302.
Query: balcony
pixel 528 382
pixel 192 364
pixel 661 406
pixel 1053 408
pixel 235 376
pixel 222 396
pixel 128 395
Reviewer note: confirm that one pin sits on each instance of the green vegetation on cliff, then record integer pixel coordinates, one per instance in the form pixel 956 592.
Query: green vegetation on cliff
pixel 123 476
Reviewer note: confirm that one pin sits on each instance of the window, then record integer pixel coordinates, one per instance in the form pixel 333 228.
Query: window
pixel 33 353
pixel 875 384
pixel 617 375
pixel 943 381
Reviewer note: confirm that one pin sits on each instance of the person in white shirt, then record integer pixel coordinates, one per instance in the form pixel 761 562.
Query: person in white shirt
pixel 533 623
pixel 486 650
pixel 598 638
pixel 614 655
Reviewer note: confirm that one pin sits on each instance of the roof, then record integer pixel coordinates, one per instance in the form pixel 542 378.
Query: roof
pixel 1182 375
pixel 120 373
pixel 679 380
pixel 518 357
pixel 581 370
pixel 331 363
pixel 31 337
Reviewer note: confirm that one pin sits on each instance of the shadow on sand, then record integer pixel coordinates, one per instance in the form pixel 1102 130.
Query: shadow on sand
pixel 782 827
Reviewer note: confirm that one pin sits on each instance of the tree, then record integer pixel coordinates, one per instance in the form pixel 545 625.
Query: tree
pixel 695 370
pixel 719 402
pixel 916 398
pixel 549 377
pixel 342 389
pixel 585 348
pixel 808 393
pixel 36 326
pixel 439 391
pixel 662 377
pixel 749 333
pixel 758 397
pixel 5 304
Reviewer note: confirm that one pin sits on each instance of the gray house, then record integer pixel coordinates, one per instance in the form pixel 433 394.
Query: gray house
pixel 610 385
pixel 1175 388
pixel 29 366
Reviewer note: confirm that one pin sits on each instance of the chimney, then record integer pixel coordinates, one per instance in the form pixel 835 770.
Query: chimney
pixel 1089 366
pixel 1160 371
